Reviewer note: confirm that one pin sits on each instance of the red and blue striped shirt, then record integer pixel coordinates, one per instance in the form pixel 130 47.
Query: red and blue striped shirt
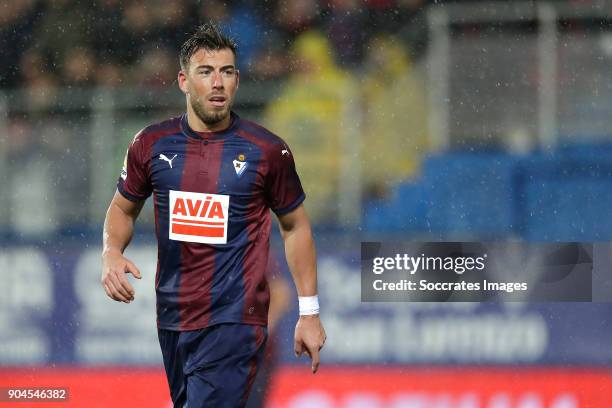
pixel 212 194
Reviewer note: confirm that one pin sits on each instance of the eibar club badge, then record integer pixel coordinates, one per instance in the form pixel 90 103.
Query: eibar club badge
pixel 240 165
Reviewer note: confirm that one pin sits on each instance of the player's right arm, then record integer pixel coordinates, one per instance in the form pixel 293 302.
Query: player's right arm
pixel 118 231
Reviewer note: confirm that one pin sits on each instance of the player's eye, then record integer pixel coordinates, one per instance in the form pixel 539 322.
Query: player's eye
pixel 229 72
pixel 204 72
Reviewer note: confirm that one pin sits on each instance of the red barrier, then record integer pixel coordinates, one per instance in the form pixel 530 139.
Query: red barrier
pixel 442 388
pixel 95 388
pixel 346 387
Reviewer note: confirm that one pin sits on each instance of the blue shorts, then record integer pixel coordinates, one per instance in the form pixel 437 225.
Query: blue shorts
pixel 212 367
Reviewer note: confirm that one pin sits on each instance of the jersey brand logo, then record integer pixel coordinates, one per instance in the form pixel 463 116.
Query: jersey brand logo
pixel 198 217
pixel 285 152
pixel 165 158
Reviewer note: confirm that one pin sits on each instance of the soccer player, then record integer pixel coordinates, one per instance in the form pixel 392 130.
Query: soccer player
pixel 214 177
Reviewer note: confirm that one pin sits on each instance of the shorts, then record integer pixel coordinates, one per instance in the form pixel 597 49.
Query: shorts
pixel 214 366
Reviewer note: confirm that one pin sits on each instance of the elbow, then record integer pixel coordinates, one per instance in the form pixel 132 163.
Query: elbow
pixel 302 230
pixel 294 223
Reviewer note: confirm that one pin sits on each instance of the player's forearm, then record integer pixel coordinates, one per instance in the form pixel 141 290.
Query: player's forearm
pixel 301 258
pixel 118 230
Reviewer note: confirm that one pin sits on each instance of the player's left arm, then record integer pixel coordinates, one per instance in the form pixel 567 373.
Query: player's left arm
pixel 301 258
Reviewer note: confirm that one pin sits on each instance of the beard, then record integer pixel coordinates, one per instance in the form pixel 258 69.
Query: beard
pixel 211 116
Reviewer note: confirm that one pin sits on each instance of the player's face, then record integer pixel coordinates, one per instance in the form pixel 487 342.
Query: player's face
pixel 210 84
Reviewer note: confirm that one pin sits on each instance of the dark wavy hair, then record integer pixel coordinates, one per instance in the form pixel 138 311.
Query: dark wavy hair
pixel 209 37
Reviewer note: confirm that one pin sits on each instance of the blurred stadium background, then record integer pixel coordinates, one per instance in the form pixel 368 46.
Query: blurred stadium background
pixel 410 120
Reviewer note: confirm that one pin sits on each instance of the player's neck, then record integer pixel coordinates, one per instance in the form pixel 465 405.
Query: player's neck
pixel 196 124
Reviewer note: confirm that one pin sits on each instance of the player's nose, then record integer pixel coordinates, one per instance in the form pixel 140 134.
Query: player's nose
pixel 217 80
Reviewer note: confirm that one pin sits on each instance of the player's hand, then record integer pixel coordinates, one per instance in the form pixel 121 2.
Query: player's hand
pixel 114 281
pixel 309 338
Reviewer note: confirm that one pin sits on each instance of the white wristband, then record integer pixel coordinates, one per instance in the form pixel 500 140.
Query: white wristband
pixel 309 305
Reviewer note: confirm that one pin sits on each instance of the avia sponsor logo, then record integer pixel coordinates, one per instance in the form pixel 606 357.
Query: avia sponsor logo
pixel 198 217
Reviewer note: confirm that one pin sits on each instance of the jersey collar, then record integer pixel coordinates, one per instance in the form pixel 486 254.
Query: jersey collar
pixel 234 119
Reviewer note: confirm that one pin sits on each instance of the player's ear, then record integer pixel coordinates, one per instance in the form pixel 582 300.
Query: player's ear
pixel 237 78
pixel 182 81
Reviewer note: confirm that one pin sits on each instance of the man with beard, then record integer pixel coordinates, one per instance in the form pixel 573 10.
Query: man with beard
pixel 214 178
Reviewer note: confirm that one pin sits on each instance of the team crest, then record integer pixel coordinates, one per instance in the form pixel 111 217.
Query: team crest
pixel 240 164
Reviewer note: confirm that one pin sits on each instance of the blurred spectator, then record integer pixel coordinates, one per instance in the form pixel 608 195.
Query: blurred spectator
pixel 78 67
pixel 243 22
pixel 65 24
pixel 17 19
pixel 156 68
pixel 31 64
pixel 109 37
pixel 125 32
pixel 348 30
pixel 393 97
pixel 174 22
pixel 271 62
pixel 37 81
pixel 216 11
pixel 110 74
pixel 138 30
pixel 118 33
pixel 309 115
pixel 41 92
pixel 294 17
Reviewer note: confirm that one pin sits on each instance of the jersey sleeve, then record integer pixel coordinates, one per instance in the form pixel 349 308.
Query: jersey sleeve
pixel 283 189
pixel 134 183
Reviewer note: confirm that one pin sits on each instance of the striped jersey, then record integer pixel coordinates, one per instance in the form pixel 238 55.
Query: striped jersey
pixel 212 194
